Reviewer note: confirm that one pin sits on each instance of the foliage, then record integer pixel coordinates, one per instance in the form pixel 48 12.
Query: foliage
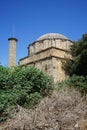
pixel 78 82
pixel 22 86
pixel 78 65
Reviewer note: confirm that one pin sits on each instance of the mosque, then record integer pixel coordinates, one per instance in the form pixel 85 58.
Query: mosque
pixel 46 53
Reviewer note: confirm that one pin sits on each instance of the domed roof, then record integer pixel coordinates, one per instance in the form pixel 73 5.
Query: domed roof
pixel 51 36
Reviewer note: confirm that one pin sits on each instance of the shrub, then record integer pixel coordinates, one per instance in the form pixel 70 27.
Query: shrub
pixel 78 82
pixel 22 86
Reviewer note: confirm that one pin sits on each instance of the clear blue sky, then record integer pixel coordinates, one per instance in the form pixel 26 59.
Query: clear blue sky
pixel 33 18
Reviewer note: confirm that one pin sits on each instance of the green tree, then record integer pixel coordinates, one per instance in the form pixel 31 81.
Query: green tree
pixel 78 65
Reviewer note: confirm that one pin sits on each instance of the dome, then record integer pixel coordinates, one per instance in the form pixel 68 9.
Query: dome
pixel 51 36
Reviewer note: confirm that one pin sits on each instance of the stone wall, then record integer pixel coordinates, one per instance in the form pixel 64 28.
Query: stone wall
pixel 43 55
pixel 58 72
pixel 42 45
pixel 47 55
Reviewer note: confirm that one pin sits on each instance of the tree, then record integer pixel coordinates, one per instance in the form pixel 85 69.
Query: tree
pixel 78 51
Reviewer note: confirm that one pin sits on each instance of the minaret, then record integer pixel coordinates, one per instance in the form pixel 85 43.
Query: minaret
pixel 12 51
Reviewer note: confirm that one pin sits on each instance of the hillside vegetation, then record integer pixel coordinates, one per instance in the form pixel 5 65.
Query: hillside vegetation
pixel 65 109
pixel 28 101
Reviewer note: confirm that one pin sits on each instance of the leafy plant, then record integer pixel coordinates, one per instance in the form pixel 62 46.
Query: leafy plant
pixel 77 82
pixel 78 65
pixel 22 86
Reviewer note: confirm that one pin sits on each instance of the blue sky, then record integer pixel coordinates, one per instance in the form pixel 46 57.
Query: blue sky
pixel 29 19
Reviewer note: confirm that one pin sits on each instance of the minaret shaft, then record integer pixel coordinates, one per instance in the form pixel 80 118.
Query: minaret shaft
pixel 12 52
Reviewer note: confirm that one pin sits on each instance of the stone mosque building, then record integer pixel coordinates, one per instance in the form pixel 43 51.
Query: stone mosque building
pixel 46 53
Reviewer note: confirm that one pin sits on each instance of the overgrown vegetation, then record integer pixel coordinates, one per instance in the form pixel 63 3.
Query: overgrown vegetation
pixel 63 110
pixel 78 64
pixel 76 67
pixel 22 86
pixel 77 82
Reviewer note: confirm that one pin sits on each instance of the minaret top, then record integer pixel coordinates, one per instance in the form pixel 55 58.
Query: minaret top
pixel 12 38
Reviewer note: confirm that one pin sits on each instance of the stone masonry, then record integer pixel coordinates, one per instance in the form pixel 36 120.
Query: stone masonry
pixel 12 52
pixel 47 54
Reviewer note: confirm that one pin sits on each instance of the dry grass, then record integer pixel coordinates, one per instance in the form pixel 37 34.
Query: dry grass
pixel 64 110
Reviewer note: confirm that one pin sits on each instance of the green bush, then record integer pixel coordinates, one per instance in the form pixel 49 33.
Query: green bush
pixel 22 86
pixel 78 82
